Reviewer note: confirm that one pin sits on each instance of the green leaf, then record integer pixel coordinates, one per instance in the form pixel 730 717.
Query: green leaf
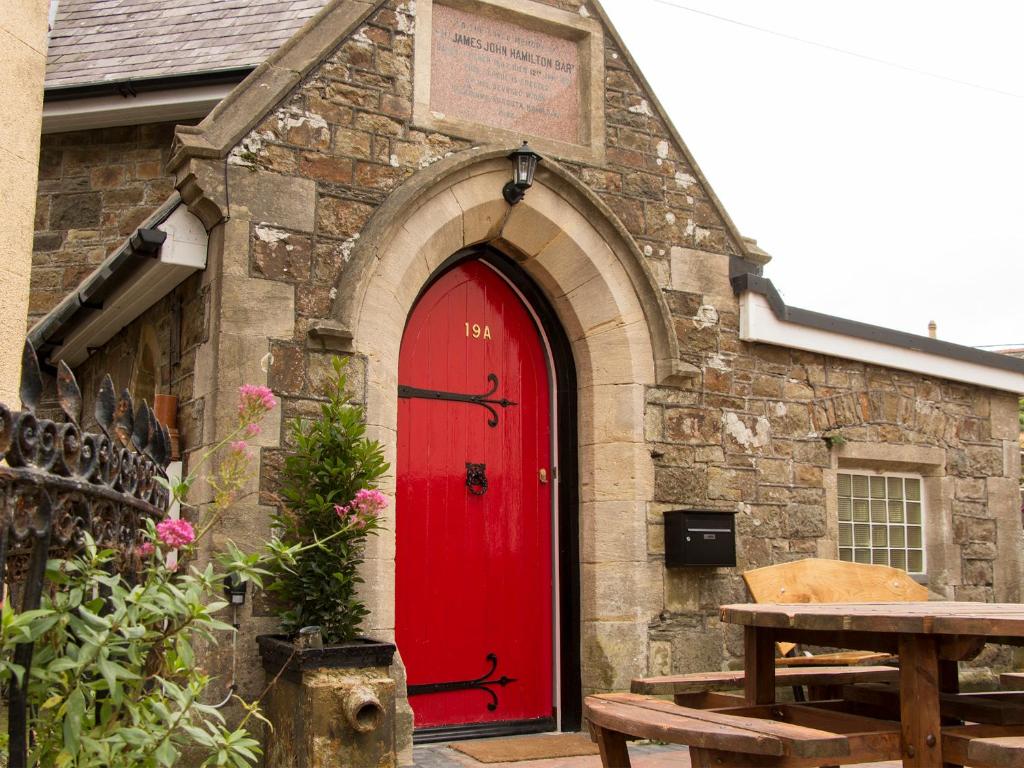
pixel 74 712
pixel 136 737
pixel 52 701
pixel 166 754
pixel 106 669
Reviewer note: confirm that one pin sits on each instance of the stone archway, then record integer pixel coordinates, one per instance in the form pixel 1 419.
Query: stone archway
pixel 622 339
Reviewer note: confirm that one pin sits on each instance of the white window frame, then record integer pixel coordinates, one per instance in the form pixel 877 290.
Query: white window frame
pixel 923 501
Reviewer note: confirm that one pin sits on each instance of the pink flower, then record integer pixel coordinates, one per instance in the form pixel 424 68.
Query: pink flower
pixel 175 533
pixel 368 503
pixel 239 453
pixel 254 402
pixel 365 506
pixel 253 398
pixel 145 549
pixel 348 517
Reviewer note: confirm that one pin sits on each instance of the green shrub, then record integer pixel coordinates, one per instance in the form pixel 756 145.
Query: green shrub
pixel 329 509
pixel 114 681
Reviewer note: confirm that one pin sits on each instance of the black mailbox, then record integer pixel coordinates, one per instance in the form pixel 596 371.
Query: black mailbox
pixel 700 538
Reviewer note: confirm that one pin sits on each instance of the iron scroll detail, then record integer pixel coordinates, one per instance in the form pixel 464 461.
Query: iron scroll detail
pixel 484 399
pixel 481 683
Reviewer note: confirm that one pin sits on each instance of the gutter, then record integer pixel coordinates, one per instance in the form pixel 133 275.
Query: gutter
pixel 148 264
pixel 136 101
pixel 131 86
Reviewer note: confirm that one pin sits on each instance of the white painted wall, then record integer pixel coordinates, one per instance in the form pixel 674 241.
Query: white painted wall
pixel 759 323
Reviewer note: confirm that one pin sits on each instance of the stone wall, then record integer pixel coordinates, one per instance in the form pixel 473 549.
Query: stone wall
pixel 744 436
pixel 749 439
pixel 178 324
pixel 95 188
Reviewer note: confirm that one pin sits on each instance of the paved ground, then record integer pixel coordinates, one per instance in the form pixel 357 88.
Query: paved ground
pixel 641 756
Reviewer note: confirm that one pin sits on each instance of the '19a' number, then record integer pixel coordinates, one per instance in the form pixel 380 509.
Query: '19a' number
pixel 478 331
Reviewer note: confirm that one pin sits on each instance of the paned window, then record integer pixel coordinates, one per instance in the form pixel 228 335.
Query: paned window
pixel 881 520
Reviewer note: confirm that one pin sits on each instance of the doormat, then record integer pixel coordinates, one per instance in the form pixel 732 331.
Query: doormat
pixel 514 748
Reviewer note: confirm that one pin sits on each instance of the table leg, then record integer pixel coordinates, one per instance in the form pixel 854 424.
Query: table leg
pixel 612 745
pixel 758 665
pixel 949 676
pixel 949 682
pixel 920 724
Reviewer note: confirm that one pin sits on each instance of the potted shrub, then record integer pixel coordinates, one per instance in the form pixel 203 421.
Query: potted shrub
pixel 329 506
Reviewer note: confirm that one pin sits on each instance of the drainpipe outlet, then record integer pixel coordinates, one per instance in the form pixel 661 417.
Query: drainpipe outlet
pixel 363 710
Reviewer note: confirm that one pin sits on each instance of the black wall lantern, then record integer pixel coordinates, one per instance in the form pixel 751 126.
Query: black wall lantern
pixel 524 165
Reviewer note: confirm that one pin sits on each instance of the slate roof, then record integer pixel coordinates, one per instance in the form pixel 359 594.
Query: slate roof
pixel 101 40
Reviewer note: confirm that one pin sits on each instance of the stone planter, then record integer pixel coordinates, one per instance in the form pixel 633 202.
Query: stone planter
pixel 331 706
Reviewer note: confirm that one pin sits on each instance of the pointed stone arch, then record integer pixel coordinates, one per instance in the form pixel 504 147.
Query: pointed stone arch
pixel 561 217
pixel 604 294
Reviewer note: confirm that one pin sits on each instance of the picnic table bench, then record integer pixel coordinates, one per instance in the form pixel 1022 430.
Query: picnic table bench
pixel 983 747
pixel 923 719
pixel 811 580
pixel 817 580
pixel 782 735
pixel 790 735
pixel 1013 681
pixel 693 688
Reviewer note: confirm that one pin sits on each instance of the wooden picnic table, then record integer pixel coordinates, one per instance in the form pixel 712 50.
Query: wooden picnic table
pixel 929 637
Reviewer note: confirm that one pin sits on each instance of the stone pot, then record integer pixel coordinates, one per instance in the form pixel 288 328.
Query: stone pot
pixel 330 706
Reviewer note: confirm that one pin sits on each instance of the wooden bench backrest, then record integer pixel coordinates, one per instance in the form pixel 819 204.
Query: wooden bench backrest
pixel 814 580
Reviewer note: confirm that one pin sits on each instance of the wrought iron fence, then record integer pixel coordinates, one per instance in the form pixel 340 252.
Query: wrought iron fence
pixel 58 481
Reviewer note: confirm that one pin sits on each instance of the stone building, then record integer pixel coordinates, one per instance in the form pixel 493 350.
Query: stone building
pixel 616 349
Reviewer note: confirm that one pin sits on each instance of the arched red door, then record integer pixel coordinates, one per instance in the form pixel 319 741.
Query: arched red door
pixel 474 592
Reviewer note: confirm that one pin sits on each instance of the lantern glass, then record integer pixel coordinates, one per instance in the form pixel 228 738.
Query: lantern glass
pixel 527 165
pixel 524 165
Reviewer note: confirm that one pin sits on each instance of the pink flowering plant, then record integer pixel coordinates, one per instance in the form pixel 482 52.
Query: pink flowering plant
pixel 114 680
pixel 330 506
pixel 231 456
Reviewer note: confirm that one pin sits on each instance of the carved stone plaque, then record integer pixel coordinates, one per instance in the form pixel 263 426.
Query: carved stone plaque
pixel 493 72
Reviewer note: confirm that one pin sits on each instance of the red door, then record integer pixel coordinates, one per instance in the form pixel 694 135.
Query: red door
pixel 474 548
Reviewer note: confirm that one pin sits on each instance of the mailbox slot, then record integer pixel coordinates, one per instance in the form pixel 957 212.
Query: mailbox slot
pixel 700 538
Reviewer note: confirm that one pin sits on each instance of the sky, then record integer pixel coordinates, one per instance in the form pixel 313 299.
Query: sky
pixel 883 195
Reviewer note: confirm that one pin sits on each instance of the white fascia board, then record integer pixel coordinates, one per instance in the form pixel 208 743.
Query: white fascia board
pixel 182 254
pixel 145 107
pixel 758 323
pixel 186 241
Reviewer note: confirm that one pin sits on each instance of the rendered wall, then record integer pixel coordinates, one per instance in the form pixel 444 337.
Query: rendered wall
pixel 23 31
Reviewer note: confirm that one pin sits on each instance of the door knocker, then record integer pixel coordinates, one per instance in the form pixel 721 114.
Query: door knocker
pixel 476 478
